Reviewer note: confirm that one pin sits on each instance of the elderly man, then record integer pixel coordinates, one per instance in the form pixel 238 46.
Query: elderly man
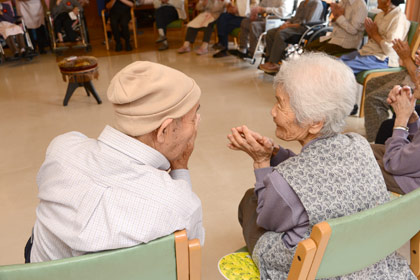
pixel 116 191
pixel 348 28
pixel 276 39
pixel 254 25
pixel 334 175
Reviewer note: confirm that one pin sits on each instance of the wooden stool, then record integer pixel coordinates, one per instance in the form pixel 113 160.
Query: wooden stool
pixel 79 71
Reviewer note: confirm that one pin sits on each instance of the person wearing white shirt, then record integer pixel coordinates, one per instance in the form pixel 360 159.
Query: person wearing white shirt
pixel 348 28
pixel 132 184
pixel 390 24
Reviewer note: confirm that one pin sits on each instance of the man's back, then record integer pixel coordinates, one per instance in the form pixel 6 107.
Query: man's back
pixel 109 193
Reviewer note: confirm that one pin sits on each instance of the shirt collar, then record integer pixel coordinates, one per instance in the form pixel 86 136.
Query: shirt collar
pixel 133 148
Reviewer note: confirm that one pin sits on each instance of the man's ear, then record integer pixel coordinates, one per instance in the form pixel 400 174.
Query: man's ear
pixel 162 130
pixel 315 128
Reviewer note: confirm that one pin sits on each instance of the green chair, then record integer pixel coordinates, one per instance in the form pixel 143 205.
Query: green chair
pixel 350 243
pixel 413 38
pixel 169 257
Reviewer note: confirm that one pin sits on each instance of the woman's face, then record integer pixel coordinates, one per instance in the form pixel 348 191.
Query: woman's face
pixel 287 127
pixel 384 5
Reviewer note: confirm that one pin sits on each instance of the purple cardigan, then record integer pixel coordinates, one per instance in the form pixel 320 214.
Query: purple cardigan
pixel 402 157
pixel 279 208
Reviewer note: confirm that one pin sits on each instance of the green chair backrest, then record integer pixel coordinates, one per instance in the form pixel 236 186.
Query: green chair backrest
pixel 364 238
pixel 412 31
pixel 154 260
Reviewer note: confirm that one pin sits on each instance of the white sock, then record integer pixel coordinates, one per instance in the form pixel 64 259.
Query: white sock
pixel 242 50
pixel 161 32
pixel 186 44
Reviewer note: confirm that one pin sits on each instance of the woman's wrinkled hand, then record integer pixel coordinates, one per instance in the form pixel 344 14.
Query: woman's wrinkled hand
pixel 402 102
pixel 259 148
pixel 402 49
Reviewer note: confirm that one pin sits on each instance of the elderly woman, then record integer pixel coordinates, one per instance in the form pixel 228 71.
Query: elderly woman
pixel 398 158
pixel 334 175
pixel 390 24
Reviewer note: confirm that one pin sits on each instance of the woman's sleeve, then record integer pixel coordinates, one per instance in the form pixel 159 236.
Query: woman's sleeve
pixel 397 29
pixel 401 156
pixel 279 208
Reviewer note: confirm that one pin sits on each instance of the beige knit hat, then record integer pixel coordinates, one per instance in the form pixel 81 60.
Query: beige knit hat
pixel 145 94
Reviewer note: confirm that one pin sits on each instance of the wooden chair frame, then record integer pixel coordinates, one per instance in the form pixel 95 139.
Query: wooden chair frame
pixel 132 23
pixel 309 253
pixel 188 257
pixel 415 43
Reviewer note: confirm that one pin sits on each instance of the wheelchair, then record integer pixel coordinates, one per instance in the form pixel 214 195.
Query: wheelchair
pixel 79 27
pixel 313 31
pixel 30 50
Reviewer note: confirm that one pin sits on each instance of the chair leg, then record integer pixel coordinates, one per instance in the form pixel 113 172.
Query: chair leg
pixel 133 20
pixel 89 88
pixel 415 255
pixel 105 31
pixel 70 89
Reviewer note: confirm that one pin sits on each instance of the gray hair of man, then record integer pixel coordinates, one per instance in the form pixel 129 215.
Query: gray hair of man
pixel 320 88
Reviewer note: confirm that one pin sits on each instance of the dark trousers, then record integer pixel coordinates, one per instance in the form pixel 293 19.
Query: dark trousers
pixel 120 19
pixel 28 249
pixel 326 47
pixel 247 215
pixel 386 128
pixel 192 33
pixel 63 21
pixel 39 37
pixel 164 16
pixel 225 24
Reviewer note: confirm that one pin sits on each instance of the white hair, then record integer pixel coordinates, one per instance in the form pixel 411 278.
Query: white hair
pixel 320 88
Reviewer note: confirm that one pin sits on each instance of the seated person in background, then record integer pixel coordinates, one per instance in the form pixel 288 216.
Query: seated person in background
pixel 399 157
pixel 9 30
pixel 377 53
pixel 334 175
pixel 117 191
pixel 230 20
pixel 166 12
pixel 308 10
pixel 377 89
pixel 60 10
pixel 119 14
pixel 210 11
pixel 348 28
pixel 254 25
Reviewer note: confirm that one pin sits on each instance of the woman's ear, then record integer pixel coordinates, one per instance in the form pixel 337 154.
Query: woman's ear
pixel 315 128
pixel 162 130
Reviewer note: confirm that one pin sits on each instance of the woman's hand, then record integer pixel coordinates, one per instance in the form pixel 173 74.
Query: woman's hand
pixel 402 48
pixel 403 102
pixel 372 30
pixel 417 57
pixel 259 148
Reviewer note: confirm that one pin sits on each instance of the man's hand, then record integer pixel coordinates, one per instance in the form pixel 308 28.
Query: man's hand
pixel 336 10
pixel 259 148
pixel 402 48
pixel 182 161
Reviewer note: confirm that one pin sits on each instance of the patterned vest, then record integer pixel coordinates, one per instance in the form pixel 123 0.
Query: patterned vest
pixel 332 177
